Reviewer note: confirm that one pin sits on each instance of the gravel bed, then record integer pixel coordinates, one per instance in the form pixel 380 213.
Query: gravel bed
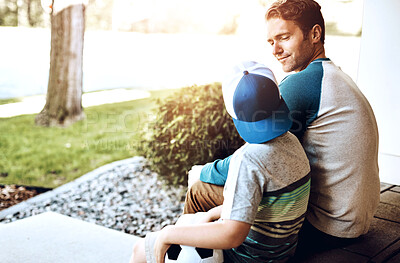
pixel 126 198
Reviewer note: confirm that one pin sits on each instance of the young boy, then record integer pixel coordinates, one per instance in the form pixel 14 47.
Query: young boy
pixel 268 184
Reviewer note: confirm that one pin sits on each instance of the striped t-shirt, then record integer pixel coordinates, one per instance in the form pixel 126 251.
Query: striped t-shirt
pixel 268 186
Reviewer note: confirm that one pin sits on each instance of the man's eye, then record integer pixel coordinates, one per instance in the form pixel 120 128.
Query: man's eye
pixel 285 38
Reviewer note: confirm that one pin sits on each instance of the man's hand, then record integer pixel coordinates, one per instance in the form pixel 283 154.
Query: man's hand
pixel 194 174
pixel 203 217
pixel 200 217
pixel 191 219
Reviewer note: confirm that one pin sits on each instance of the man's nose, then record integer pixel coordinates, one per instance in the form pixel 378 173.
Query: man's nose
pixel 276 49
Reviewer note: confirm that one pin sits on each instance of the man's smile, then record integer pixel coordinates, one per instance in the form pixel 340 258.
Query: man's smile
pixel 283 58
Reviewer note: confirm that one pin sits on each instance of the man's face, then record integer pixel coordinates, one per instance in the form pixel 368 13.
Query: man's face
pixel 289 46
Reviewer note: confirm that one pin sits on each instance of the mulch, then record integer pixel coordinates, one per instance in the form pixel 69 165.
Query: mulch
pixel 13 194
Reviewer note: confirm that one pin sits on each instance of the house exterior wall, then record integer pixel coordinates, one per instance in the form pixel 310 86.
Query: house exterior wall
pixel 379 78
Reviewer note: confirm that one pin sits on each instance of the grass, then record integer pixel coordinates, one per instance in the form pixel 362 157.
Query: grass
pixel 12 100
pixel 49 157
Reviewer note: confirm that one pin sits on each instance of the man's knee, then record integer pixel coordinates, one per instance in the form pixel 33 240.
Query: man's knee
pixel 201 197
pixel 190 200
pixel 196 188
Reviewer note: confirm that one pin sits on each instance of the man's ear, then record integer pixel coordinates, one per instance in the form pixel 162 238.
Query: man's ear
pixel 316 32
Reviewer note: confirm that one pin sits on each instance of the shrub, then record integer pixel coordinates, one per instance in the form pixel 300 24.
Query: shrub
pixel 190 127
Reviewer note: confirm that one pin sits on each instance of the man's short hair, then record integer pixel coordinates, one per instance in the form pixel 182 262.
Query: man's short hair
pixel 305 13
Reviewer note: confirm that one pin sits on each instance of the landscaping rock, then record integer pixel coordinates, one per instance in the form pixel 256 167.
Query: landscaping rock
pixel 128 198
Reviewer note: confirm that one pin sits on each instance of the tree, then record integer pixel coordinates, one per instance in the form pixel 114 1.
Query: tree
pixel 34 13
pixel 64 91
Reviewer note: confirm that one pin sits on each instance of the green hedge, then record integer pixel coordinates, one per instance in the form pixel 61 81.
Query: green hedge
pixel 189 127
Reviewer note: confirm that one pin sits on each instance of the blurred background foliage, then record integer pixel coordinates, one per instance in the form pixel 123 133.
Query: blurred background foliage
pixel 190 127
pixel 22 13
pixel 178 16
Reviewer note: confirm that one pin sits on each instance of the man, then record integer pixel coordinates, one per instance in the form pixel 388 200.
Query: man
pixel 333 121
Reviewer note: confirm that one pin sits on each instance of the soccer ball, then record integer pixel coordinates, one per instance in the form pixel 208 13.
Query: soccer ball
pixel 186 254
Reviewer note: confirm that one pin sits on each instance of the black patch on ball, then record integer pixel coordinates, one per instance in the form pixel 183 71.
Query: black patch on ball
pixel 173 252
pixel 204 252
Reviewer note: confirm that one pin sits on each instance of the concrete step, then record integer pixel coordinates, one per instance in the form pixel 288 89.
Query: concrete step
pixel 51 237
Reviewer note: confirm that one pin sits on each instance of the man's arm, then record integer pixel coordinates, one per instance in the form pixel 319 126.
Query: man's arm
pixel 224 234
pixel 302 94
pixel 216 172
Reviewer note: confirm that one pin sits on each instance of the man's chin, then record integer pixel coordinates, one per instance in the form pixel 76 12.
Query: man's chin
pixel 289 68
pixel 286 69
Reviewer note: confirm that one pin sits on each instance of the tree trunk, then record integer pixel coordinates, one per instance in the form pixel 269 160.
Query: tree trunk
pixel 29 12
pixel 17 12
pixel 64 92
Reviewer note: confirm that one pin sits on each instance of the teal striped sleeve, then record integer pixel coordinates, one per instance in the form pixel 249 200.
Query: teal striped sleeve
pixel 216 172
pixel 302 93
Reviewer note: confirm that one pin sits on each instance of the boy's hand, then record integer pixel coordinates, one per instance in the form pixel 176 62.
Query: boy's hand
pixel 160 247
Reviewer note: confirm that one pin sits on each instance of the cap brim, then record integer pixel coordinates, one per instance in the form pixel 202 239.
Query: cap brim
pixel 267 129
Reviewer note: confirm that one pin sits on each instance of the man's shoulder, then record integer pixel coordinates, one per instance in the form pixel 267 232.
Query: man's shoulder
pixel 313 74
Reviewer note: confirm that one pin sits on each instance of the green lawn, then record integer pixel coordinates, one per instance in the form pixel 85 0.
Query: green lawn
pixel 5 101
pixel 49 157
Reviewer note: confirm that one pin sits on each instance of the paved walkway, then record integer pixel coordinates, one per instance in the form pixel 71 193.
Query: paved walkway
pixel 34 104
pixel 51 237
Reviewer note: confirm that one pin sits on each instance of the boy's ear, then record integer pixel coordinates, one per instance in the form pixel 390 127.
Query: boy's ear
pixel 315 33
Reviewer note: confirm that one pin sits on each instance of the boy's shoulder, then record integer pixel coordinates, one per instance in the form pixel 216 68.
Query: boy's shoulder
pixel 282 160
pixel 271 148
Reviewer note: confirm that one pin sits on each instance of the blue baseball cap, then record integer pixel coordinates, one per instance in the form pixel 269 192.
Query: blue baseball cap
pixel 253 100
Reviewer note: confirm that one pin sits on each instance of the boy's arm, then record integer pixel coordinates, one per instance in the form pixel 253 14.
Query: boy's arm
pixel 224 234
pixel 216 172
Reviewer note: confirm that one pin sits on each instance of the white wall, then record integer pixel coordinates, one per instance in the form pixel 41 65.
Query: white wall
pixel 379 79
